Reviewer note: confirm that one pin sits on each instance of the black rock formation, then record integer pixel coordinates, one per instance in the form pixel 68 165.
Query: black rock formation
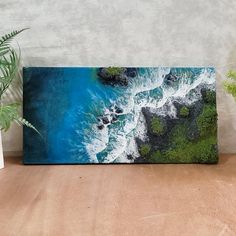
pixel 118 110
pixel 100 127
pixel 170 78
pixel 109 79
pixel 105 120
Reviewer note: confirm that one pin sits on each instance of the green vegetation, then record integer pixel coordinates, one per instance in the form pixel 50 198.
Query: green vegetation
pixel 157 157
pixel 210 97
pixel 184 111
pixel 157 126
pixel 206 121
pixel 187 151
pixel 179 135
pixel 180 148
pixel 144 149
pixel 9 71
pixel 231 74
pixel 230 85
pixel 183 150
pixel 201 151
pixel 114 71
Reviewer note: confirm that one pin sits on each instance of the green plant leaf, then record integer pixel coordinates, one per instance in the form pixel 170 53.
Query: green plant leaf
pixel 231 74
pixel 23 121
pixel 230 87
pixel 9 68
pixel 8 113
pixel 7 38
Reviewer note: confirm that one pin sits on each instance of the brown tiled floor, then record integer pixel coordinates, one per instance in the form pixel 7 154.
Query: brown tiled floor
pixel 118 199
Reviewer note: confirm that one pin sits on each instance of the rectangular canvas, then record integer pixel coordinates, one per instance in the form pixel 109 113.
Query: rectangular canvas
pixel 120 115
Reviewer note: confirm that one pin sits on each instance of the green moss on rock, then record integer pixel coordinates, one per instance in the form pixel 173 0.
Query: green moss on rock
pixel 191 140
pixel 183 150
pixel 114 71
pixel 157 157
pixel 206 121
pixel 178 135
pixel 144 149
pixel 202 151
pixel 157 126
pixel 209 96
pixel 184 111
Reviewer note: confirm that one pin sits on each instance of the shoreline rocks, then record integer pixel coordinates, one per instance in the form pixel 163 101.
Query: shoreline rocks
pixel 116 75
pixel 109 118
pixel 170 79
pixel 105 120
pixel 167 134
pixel 160 133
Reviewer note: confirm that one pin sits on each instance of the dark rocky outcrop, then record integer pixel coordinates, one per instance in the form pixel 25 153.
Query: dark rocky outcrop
pixel 112 78
pixel 170 79
pixel 131 72
pixel 111 118
pixel 105 120
pixel 157 141
pixel 114 118
pixel 190 137
pixel 118 110
pixel 160 133
pixel 130 157
pixel 100 126
pixel 116 76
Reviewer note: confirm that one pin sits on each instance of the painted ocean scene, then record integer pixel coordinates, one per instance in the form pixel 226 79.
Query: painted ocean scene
pixel 107 115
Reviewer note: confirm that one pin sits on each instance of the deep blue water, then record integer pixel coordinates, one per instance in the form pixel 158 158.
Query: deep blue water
pixel 56 101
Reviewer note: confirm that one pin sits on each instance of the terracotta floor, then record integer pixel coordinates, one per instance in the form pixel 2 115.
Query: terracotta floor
pixel 118 199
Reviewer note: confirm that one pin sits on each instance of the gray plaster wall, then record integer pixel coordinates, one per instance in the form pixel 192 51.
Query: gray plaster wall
pixel 128 33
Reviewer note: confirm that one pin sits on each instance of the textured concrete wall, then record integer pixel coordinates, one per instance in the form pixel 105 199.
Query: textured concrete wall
pixel 128 33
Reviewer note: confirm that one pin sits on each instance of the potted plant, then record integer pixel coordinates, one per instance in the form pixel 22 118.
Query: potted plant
pixel 9 72
pixel 230 84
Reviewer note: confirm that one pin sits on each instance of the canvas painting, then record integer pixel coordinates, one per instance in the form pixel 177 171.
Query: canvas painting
pixel 120 115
